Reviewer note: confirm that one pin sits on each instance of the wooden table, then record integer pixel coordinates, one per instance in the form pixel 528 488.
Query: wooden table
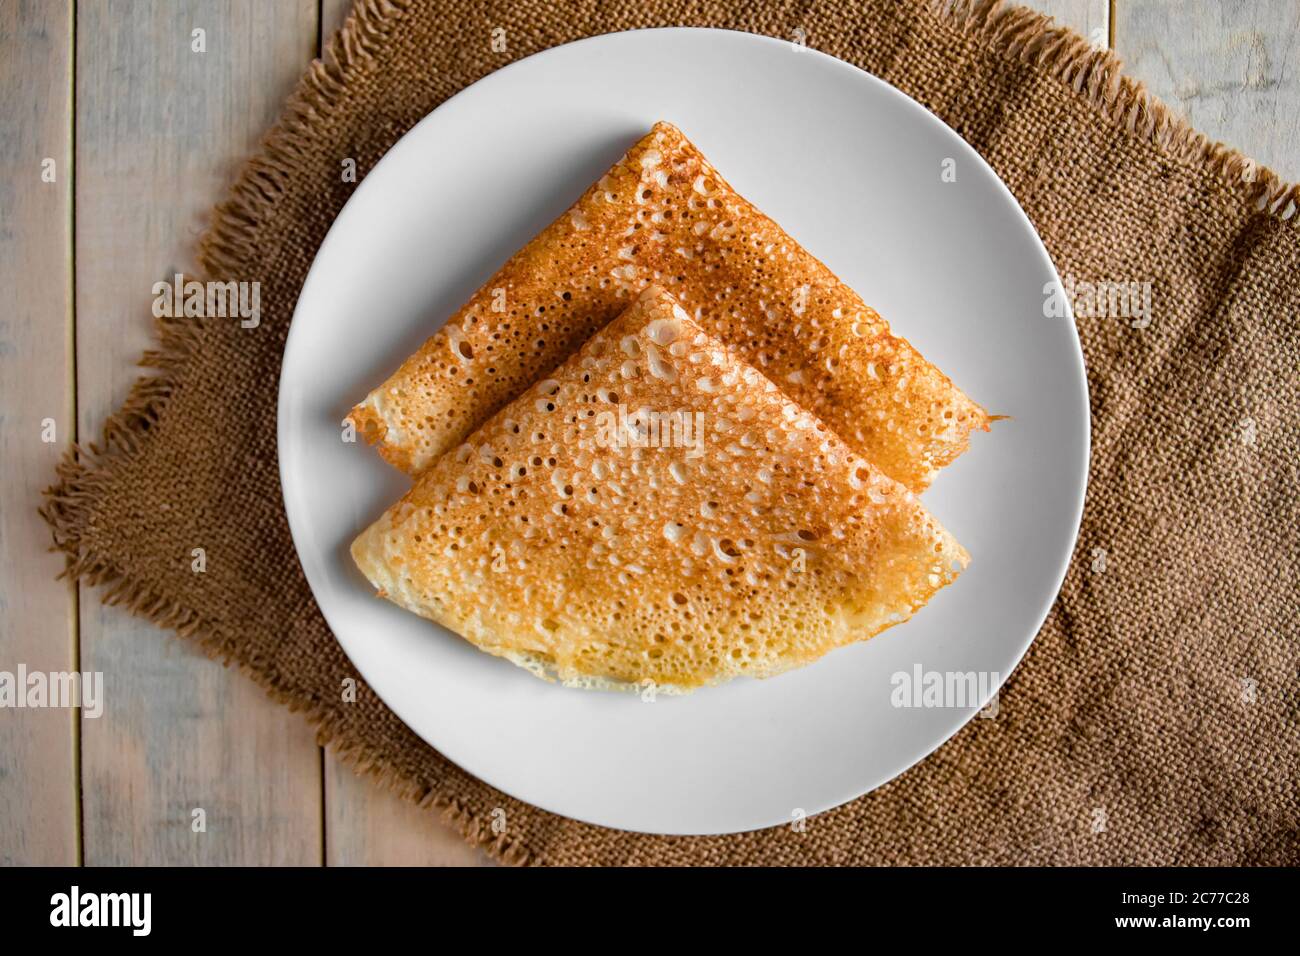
pixel 140 135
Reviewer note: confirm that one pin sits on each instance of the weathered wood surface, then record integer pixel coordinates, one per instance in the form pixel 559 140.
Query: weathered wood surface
pixel 1232 68
pixel 160 131
pixel 38 752
pixel 1088 17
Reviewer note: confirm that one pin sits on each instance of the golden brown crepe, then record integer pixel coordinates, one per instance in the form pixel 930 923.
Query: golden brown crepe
pixel 663 215
pixel 657 510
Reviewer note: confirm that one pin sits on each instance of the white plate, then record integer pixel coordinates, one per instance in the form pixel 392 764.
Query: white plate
pixel 851 168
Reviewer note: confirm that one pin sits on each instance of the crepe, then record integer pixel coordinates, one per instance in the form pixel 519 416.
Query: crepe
pixel 657 510
pixel 662 214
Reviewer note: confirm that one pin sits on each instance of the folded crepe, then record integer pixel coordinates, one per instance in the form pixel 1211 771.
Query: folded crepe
pixel 657 510
pixel 663 215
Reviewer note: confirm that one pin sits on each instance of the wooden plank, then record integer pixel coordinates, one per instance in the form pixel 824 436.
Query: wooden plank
pixel 1091 18
pixel 161 130
pixel 38 752
pixel 332 15
pixel 1231 68
pixel 366 825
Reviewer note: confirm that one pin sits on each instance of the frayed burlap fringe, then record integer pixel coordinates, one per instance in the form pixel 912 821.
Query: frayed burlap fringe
pixel 229 248
pixel 226 247
pixel 1097 74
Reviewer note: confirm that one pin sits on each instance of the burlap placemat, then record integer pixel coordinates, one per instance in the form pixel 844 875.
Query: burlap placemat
pixel 1154 720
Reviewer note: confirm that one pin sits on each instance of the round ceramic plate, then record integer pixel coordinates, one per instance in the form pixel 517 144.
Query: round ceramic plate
pixel 894 203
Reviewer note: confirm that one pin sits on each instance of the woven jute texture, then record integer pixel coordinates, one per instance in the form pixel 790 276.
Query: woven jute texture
pixel 1154 720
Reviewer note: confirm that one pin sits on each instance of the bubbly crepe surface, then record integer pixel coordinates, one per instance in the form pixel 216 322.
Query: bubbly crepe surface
pixel 663 215
pixel 575 534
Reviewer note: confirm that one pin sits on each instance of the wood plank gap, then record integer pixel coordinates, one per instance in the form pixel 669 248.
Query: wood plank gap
pixel 74 588
pixel 163 124
pixel 324 822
